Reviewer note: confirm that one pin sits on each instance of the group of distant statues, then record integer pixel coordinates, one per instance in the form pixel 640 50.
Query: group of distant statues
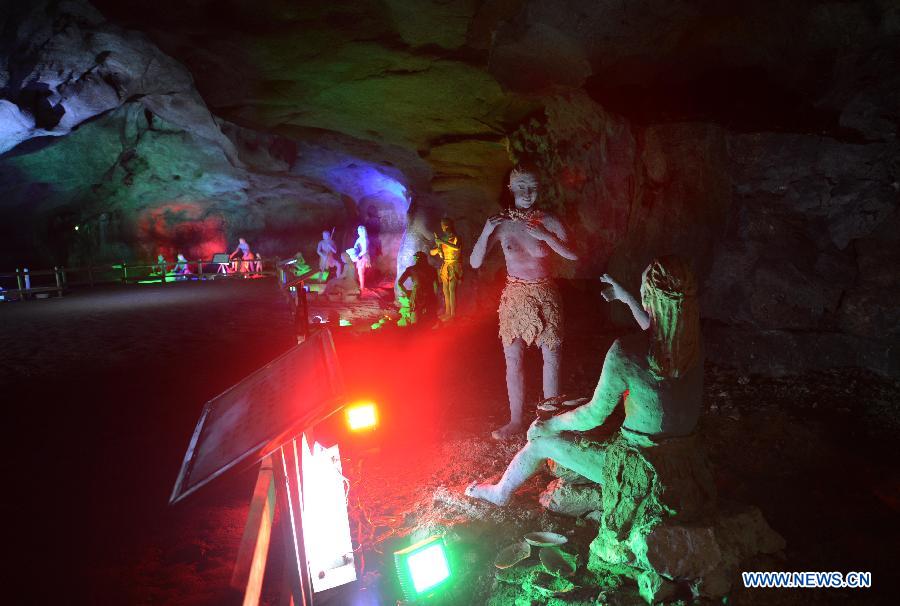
pixel 245 261
pixel 419 283
pixel 161 267
pixel 426 282
pixel 241 261
pixel 359 254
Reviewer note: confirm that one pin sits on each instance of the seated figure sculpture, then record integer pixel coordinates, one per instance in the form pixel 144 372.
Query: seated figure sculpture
pixel 181 266
pixel 423 294
pixel 658 371
pixel 161 266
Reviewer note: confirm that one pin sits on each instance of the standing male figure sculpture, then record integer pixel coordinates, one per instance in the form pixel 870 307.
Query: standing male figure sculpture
pixel 448 248
pixel 328 254
pixel 530 307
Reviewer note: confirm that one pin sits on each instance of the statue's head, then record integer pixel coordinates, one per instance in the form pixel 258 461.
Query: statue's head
pixel 523 183
pixel 361 231
pixel 242 241
pixel 669 294
pixel 326 235
pixel 447 225
pixel 420 257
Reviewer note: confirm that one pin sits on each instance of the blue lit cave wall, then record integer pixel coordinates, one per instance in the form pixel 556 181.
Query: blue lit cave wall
pixel 758 139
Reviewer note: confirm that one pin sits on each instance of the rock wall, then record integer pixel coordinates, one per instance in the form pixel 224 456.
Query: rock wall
pixel 759 140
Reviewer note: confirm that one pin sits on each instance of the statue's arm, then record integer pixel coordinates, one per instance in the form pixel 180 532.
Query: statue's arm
pixel 553 232
pixel 401 283
pixel 485 241
pixel 617 291
pixel 451 242
pixel 609 391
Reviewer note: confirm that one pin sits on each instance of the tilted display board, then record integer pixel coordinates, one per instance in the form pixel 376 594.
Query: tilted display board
pixel 271 406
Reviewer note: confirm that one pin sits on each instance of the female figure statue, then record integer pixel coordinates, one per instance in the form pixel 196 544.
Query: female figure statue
pixel 658 371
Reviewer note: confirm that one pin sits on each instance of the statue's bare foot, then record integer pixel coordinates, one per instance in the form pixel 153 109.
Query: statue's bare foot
pixel 486 492
pixel 507 432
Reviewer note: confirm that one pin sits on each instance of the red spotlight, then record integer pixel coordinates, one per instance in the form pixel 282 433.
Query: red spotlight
pixel 362 415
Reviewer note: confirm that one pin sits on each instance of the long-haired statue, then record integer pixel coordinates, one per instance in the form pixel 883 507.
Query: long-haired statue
pixel 658 372
pixel 670 298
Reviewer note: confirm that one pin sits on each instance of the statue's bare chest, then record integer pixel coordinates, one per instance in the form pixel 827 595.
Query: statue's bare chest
pixel 517 242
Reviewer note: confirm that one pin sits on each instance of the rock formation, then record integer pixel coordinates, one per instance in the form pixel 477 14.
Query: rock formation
pixel 759 139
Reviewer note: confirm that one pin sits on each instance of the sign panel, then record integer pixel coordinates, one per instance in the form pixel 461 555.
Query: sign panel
pixel 269 407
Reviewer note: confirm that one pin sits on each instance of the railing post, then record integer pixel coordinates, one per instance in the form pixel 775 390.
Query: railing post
pixel 27 279
pixel 124 273
pixel 200 268
pixel 19 283
pixel 58 281
pixel 62 271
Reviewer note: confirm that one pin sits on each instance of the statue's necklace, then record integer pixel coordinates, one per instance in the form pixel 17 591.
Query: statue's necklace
pixel 518 214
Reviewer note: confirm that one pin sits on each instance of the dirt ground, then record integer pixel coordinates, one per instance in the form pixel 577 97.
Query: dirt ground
pixel 103 387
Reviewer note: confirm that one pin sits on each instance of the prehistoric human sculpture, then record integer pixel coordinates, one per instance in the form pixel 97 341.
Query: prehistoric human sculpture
pixel 181 266
pixel 244 250
pixel 359 254
pixel 162 266
pixel 530 306
pixel 448 248
pixel 658 371
pixel 423 294
pixel 328 254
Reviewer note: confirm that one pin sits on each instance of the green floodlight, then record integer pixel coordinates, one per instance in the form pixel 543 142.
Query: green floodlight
pixel 422 568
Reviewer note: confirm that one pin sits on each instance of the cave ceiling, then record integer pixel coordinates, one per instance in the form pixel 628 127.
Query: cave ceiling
pixel 413 72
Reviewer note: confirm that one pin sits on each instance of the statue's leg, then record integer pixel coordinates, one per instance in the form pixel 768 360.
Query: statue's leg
pixel 445 287
pixel 451 289
pixel 551 370
pixel 584 460
pixel 522 467
pixel 361 274
pixel 587 461
pixel 515 389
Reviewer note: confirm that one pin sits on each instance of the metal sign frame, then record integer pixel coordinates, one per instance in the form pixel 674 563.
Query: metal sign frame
pixel 185 484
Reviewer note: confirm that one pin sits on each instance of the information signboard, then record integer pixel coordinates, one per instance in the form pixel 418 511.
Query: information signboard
pixel 253 418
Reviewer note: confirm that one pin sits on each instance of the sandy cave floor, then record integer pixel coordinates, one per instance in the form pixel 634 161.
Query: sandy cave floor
pixel 104 386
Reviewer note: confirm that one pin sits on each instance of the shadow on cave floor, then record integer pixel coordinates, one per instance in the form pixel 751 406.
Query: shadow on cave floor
pixel 103 389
